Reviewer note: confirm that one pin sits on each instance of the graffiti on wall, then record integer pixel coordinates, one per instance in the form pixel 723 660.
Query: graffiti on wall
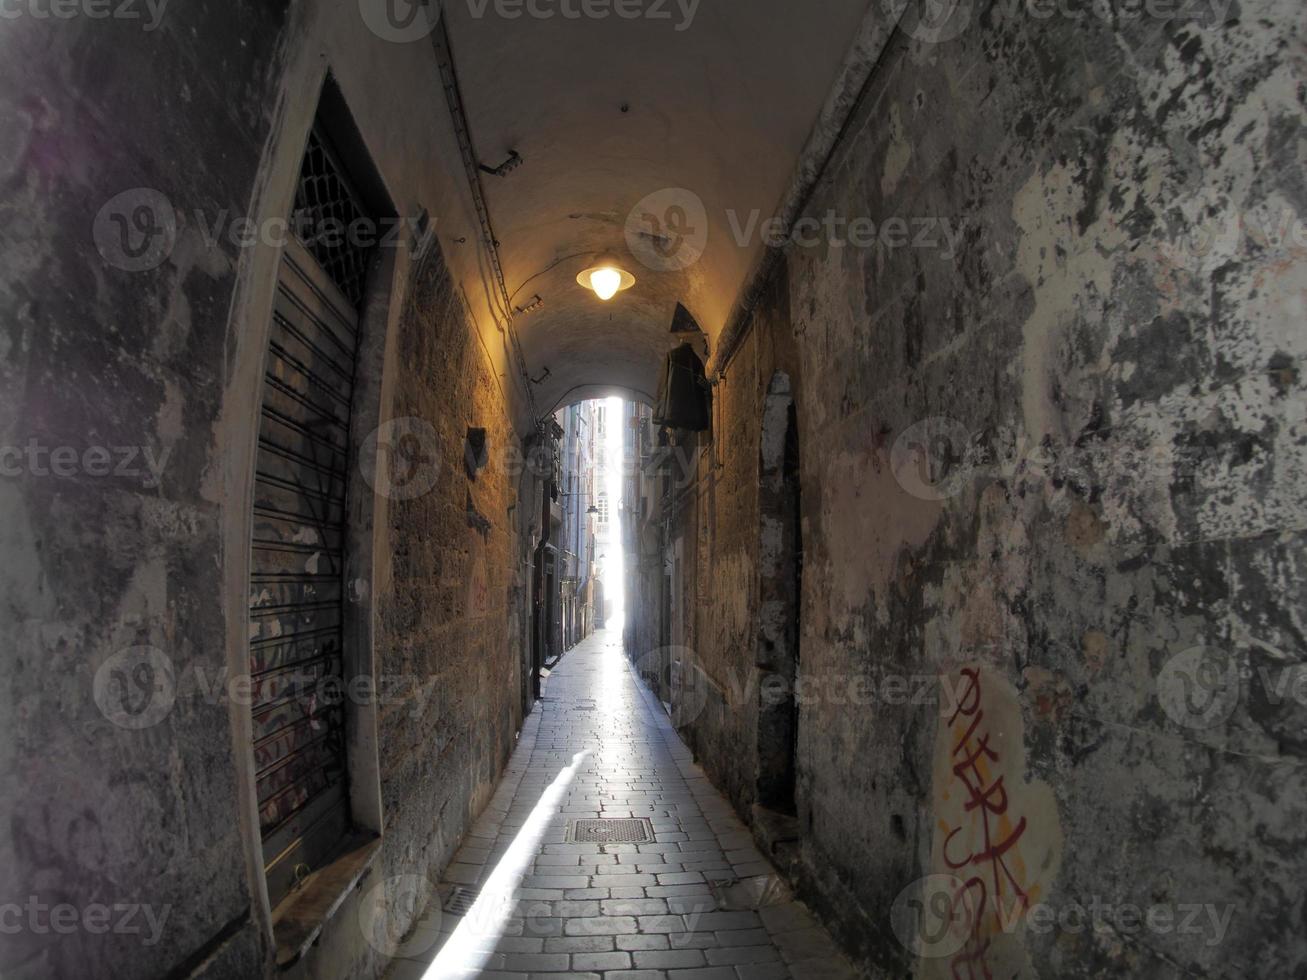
pixel 997 838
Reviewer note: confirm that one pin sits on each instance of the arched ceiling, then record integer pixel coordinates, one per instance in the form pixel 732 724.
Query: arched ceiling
pixel 716 116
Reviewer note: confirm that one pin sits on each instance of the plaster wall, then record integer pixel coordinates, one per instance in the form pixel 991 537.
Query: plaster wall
pixel 1053 459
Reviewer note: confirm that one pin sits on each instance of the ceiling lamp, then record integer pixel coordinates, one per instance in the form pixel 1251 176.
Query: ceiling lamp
pixel 606 279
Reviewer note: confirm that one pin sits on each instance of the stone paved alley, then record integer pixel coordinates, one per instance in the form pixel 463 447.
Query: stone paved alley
pixel 620 911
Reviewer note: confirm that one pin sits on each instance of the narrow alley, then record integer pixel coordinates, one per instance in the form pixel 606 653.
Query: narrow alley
pixel 696 901
pixel 631 489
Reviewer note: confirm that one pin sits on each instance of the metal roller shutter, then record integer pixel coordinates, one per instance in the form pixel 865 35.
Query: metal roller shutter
pixel 296 580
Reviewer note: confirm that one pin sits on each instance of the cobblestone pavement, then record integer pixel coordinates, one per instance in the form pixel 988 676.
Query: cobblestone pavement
pixel 699 902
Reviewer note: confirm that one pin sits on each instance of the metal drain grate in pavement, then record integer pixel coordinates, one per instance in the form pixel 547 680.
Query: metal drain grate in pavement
pixel 625 830
pixel 460 900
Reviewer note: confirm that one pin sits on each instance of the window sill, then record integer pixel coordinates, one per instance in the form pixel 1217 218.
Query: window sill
pixel 300 917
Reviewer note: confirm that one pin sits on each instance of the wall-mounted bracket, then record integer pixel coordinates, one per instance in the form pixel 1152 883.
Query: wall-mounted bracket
pixel 507 167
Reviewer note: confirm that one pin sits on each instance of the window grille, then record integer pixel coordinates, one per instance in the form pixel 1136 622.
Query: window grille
pixel 330 219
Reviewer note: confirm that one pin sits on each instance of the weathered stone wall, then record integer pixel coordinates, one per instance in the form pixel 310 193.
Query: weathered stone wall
pixel 1053 475
pixel 721 540
pixel 97 356
pixel 453 600
pixel 208 110
pixel 721 584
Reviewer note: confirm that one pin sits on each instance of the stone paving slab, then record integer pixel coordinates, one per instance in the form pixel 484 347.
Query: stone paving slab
pixel 616 911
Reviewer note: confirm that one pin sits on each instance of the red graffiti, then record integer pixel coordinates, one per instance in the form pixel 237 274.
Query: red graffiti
pixel 987 805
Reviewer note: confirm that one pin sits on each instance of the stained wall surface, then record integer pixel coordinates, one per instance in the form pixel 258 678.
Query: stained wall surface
pixel 157 360
pixel 1053 454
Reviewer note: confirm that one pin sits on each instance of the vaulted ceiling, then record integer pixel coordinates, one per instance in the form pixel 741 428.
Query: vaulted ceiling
pixel 654 140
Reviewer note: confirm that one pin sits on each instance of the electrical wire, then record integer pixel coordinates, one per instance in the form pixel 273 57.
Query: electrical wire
pixel 458 113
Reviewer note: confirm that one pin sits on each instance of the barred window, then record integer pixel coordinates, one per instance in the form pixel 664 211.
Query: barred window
pixel 330 220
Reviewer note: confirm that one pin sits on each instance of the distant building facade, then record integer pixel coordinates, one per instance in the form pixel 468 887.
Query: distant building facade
pixel 580 480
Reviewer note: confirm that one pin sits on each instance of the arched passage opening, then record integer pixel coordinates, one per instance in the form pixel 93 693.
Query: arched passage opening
pixel 587 451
